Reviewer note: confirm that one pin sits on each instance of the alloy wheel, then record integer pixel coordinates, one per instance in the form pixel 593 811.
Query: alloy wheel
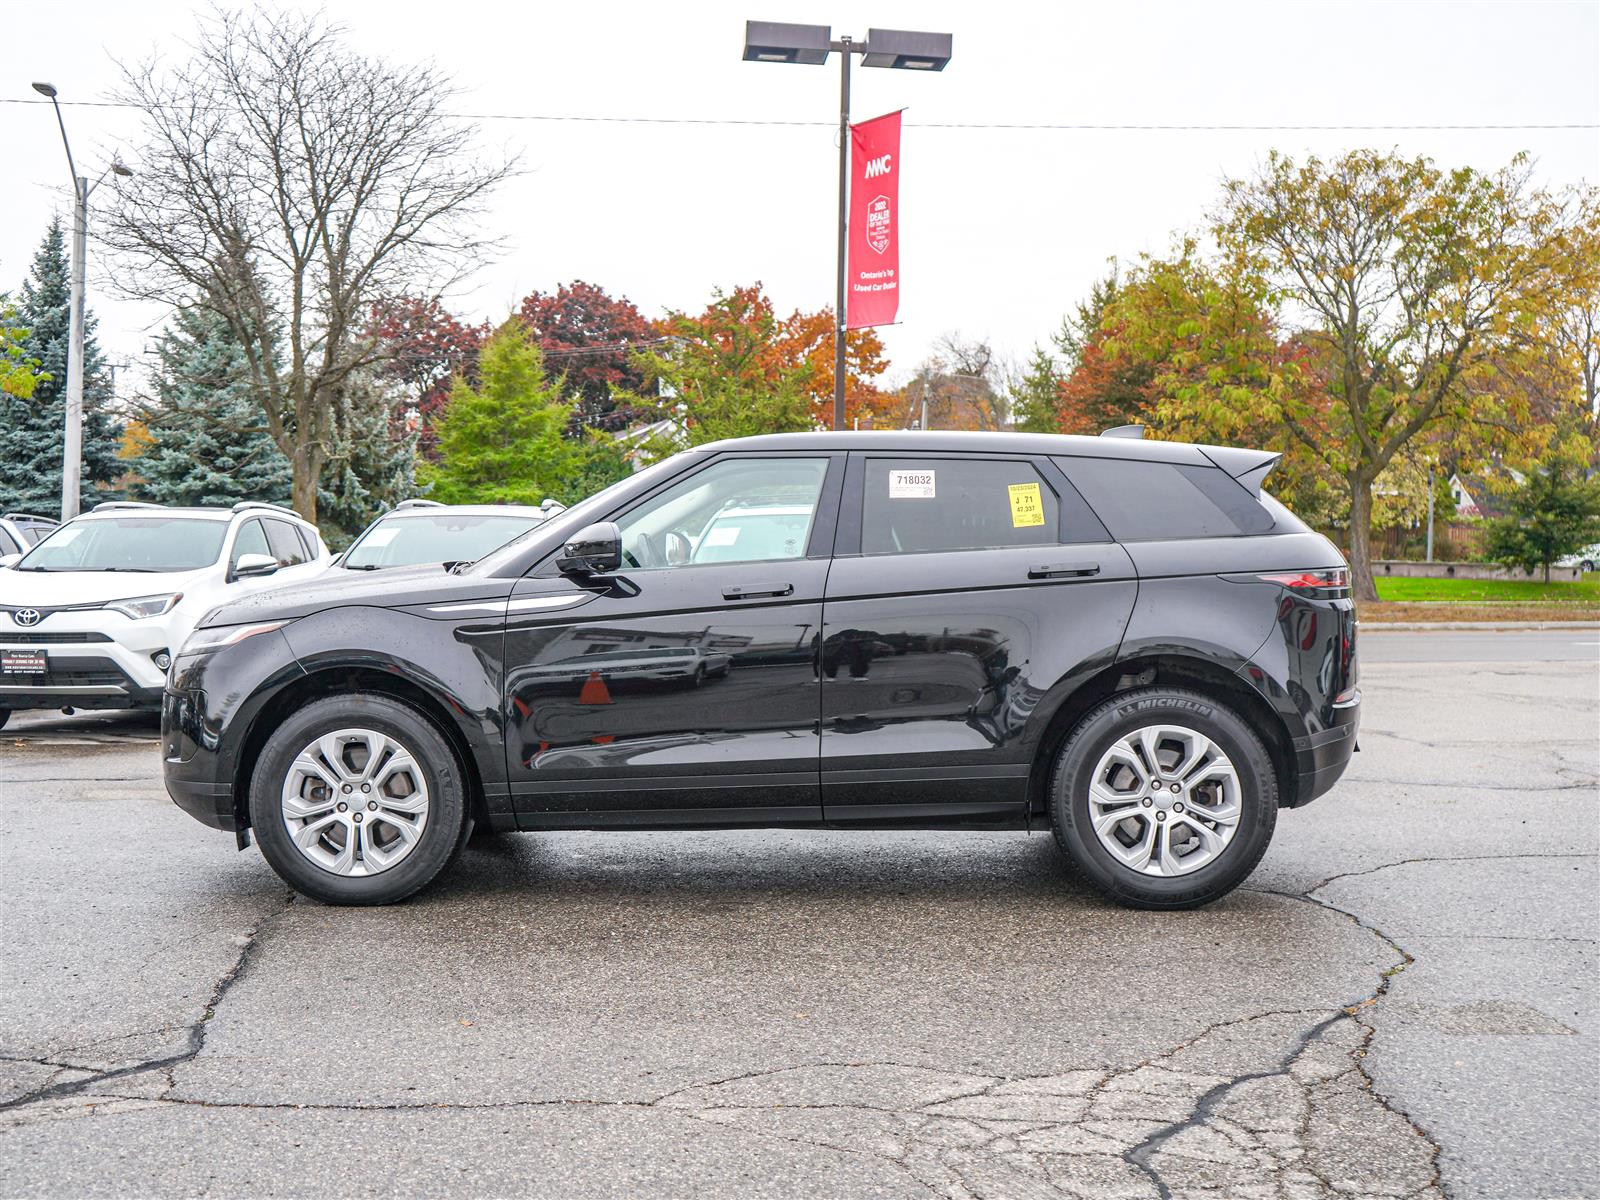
pixel 355 802
pixel 1165 800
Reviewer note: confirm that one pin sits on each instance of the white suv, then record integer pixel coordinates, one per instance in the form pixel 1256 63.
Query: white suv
pixel 91 616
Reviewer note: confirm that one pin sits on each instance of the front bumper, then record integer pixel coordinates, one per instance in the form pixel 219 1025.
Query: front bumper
pixel 96 659
pixel 1321 758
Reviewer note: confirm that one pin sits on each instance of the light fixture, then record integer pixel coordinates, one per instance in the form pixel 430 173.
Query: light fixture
pixel 45 89
pixel 908 49
pixel 779 42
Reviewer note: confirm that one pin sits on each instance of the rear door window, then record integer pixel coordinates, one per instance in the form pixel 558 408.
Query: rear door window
pixel 917 505
pixel 1150 501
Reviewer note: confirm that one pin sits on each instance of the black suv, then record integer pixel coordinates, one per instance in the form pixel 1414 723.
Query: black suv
pixel 1123 640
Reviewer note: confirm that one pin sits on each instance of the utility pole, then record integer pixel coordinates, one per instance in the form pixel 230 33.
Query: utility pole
pixel 1430 512
pixel 72 435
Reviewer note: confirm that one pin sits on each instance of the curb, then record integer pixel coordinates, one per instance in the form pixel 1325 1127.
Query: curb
pixel 1413 626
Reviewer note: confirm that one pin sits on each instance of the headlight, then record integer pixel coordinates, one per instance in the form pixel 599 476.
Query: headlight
pixel 204 641
pixel 146 606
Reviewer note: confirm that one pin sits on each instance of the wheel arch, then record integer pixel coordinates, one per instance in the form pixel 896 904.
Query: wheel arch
pixel 335 681
pixel 1177 670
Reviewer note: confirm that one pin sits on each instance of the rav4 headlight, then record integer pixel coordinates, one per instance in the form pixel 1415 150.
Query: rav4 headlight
pixel 204 641
pixel 146 606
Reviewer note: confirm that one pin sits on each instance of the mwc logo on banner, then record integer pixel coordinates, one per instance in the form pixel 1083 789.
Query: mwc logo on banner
pixel 872 293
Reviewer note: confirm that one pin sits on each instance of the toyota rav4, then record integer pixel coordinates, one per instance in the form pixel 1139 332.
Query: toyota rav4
pixel 1126 642
pixel 90 616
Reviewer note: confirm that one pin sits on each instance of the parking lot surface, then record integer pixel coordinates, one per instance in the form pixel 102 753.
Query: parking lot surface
pixel 1401 1001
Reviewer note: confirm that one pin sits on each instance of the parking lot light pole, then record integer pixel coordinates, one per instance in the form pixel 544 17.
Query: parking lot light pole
pixel 809 45
pixel 72 440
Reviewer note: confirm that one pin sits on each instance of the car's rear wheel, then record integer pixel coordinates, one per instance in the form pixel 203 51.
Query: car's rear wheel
pixel 1164 798
pixel 358 799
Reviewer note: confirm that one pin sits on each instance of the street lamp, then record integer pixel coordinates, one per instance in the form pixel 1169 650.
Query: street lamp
pixel 809 45
pixel 72 448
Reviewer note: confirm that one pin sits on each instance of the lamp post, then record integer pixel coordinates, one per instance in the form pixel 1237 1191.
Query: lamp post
pixel 809 45
pixel 72 441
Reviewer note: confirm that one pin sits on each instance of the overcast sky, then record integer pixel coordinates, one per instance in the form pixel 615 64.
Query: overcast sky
pixel 1002 229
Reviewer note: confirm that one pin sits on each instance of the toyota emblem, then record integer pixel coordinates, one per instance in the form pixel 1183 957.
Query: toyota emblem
pixel 28 616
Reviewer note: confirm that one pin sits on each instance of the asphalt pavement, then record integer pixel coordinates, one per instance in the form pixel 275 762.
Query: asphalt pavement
pixel 1401 1002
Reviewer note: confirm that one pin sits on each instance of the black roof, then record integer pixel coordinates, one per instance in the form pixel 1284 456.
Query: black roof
pixel 935 440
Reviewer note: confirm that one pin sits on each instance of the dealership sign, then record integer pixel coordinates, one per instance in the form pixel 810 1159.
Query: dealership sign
pixel 873 292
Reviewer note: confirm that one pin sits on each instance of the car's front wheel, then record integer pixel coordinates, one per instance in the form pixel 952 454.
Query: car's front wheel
pixel 358 799
pixel 1164 798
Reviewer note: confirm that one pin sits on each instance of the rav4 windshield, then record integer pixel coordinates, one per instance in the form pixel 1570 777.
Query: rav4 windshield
pixel 438 537
pixel 142 543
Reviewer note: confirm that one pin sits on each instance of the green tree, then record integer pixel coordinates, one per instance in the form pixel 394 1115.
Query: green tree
pixel 1555 512
pixel 371 460
pixel 1409 287
pixel 33 429
pixel 502 440
pixel 19 374
pixel 733 369
pixel 207 441
pixel 1036 396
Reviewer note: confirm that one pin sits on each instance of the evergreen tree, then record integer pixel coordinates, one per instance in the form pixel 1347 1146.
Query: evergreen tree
pixel 32 430
pixel 502 441
pixel 1036 397
pixel 207 444
pixel 371 461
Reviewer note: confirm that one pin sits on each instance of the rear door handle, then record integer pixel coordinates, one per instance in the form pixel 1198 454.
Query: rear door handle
pixel 1063 570
pixel 758 589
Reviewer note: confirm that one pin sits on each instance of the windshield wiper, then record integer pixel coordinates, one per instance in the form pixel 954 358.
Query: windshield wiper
pixel 131 570
pixel 362 567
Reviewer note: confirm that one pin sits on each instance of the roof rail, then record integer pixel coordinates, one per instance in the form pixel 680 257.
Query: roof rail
pixel 419 503
pixel 244 504
pixel 1125 431
pixel 105 504
pixel 22 516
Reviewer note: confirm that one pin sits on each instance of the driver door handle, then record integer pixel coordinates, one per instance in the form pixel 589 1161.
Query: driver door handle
pixel 1063 570
pixel 757 589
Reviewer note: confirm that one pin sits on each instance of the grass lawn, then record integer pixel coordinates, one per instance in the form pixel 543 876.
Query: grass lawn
pixel 1515 591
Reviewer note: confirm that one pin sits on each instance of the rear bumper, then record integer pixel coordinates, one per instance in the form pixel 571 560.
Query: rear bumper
pixel 1321 758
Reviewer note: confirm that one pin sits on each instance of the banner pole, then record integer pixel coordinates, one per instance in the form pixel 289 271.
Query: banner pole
pixel 844 182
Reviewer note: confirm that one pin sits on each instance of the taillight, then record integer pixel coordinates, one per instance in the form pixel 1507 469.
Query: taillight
pixel 1332 579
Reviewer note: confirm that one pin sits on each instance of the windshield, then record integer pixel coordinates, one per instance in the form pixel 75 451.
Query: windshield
pixel 439 537
pixel 143 543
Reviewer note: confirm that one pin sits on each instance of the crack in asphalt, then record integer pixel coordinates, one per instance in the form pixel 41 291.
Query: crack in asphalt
pixel 992 1143
pixel 197 1030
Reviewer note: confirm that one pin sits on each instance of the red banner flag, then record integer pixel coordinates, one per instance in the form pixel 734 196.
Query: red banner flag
pixel 872 277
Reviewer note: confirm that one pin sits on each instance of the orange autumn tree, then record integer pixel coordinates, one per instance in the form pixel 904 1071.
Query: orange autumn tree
pixel 737 369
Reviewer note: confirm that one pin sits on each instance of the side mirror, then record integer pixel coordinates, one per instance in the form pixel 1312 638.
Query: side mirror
pixel 254 566
pixel 594 550
pixel 9 560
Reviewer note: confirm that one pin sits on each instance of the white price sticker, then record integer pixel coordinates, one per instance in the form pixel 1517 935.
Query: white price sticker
pixel 723 535
pixel 381 537
pixel 911 485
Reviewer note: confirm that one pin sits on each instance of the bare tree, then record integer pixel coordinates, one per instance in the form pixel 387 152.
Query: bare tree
pixel 286 183
pixel 957 386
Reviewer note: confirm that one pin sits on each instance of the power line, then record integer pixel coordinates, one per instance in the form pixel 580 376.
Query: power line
pixel 1061 126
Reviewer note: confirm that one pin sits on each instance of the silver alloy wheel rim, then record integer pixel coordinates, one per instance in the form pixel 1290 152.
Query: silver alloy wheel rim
pixel 1165 800
pixel 355 802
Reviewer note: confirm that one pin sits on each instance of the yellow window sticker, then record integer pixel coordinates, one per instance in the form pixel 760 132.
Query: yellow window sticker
pixel 1027 506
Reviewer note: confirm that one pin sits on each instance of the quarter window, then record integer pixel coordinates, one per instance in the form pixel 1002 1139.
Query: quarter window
pixel 1148 501
pixel 737 510
pixel 914 505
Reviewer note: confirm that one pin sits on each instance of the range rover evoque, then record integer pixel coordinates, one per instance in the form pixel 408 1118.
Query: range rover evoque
pixel 1126 642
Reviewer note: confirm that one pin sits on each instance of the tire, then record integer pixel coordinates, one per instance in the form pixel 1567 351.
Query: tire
pixel 417 767
pixel 1588 565
pixel 1096 752
pixel 5 715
